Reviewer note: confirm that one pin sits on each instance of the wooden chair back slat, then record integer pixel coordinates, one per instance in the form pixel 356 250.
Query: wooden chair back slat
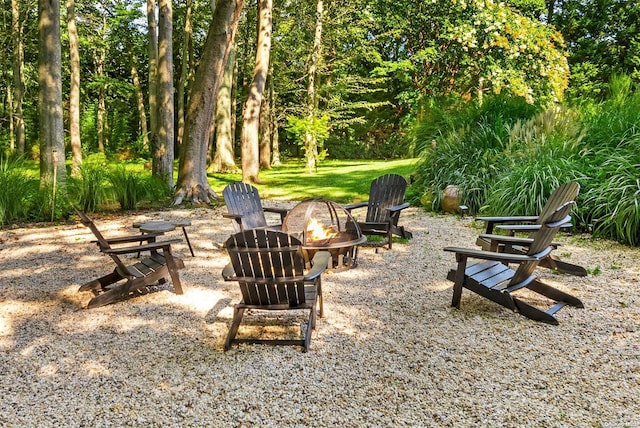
pixel 270 265
pixel 243 199
pixel 103 243
pixel 386 191
pixel 542 240
pixel 564 193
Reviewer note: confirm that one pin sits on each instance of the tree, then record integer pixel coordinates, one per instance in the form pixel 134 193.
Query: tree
pixel 311 137
pixel 223 159
pixel 249 137
pixel 52 166
pixel 74 90
pixel 18 77
pixel 603 37
pixel 192 182
pixel 163 150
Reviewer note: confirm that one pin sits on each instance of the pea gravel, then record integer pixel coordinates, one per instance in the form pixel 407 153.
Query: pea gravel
pixel 390 350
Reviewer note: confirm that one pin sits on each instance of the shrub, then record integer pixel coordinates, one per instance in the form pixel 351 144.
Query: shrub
pixel 89 189
pixel 128 188
pixel 18 191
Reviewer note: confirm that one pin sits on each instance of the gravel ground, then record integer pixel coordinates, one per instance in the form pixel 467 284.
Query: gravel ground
pixel 390 350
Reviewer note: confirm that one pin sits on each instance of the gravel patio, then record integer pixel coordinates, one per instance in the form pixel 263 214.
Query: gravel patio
pixel 390 350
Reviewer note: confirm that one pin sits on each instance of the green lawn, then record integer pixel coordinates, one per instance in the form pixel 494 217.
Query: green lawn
pixel 338 180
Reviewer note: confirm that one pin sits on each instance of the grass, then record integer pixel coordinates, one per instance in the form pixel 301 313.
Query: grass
pixel 342 181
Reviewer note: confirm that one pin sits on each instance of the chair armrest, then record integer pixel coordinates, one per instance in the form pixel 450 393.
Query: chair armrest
pixel 282 211
pixel 319 263
pixel 144 247
pixel 506 239
pixel 508 219
pixel 492 221
pixel 499 257
pixel 397 208
pixel 525 227
pixel 356 205
pixel 133 238
pixel 232 216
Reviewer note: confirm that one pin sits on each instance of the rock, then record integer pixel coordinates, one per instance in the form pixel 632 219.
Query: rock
pixel 451 197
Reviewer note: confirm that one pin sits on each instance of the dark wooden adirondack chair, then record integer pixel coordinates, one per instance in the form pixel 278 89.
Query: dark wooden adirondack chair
pixel 245 208
pixel 386 201
pixel 125 280
pixel 530 224
pixel 269 268
pixel 494 279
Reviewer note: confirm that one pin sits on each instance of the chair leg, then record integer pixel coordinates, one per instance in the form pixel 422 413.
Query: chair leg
pixel 320 299
pixel 310 326
pixel 173 272
pixel 459 281
pixel 238 313
pixel 554 294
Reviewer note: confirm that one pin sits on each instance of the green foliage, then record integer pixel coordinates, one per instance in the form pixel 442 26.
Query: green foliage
pixel 611 161
pixel 128 187
pixel 89 189
pixel 603 38
pixel 18 189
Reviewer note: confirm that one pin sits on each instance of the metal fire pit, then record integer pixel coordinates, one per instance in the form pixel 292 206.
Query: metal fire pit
pixel 325 225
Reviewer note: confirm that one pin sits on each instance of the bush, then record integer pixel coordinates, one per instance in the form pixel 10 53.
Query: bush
pixel 18 191
pixel 128 188
pixel 89 189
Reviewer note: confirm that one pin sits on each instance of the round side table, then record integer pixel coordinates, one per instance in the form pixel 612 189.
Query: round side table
pixel 161 226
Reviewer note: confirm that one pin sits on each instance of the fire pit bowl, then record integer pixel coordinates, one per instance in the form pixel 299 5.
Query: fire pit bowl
pixel 325 225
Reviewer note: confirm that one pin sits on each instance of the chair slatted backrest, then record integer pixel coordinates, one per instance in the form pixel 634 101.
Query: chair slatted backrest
pixel 243 199
pixel 102 242
pixel 542 240
pixel 564 193
pixel 269 267
pixel 386 191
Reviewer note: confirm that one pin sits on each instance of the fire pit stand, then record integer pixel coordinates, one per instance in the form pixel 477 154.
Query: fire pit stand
pixel 325 225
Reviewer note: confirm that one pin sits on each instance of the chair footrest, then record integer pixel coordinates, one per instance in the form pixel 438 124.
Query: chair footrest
pixel 555 308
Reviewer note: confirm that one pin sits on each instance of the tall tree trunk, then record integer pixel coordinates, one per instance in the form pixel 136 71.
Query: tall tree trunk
pixel 52 166
pixel 102 108
pixel 74 90
pixel 152 34
pixel 184 69
pixel 163 151
pixel 192 174
pixel 140 101
pixel 265 130
pixel 18 77
pixel 311 140
pixel 273 119
pixel 224 159
pixel 251 112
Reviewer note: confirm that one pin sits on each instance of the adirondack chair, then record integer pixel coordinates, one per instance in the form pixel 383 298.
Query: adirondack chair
pixel 386 201
pixel 530 224
pixel 245 209
pixel 494 279
pixel 125 280
pixel 269 268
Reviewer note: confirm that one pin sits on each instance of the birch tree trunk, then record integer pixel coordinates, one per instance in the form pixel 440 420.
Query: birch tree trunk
pixel 52 167
pixel 224 159
pixel 192 174
pixel 163 151
pixel 18 77
pixel 251 113
pixel 310 139
pixel 74 90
